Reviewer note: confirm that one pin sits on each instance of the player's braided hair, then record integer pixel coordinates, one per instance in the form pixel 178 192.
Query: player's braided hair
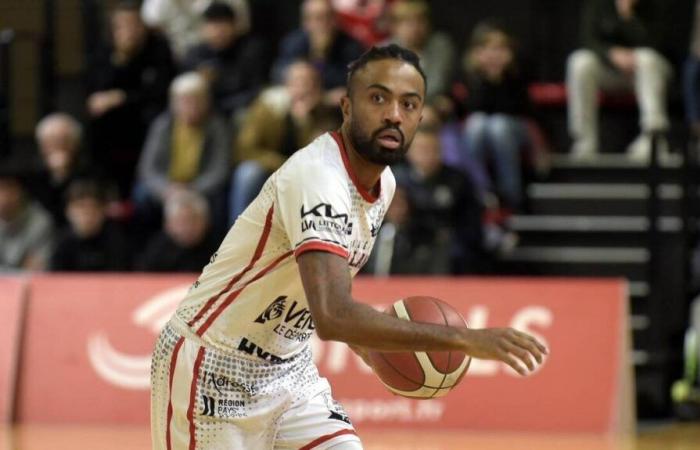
pixel 391 51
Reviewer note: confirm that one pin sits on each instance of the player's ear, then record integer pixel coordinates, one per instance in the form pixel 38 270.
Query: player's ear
pixel 346 106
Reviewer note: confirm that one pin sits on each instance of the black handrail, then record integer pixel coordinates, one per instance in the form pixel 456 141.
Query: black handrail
pixel 47 75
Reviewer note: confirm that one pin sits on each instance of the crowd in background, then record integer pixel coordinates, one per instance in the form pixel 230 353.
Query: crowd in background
pixel 187 117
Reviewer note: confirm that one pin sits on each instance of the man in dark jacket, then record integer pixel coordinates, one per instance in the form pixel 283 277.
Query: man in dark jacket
pixel 323 44
pixel 186 242
pixel 234 64
pixel 621 51
pixel 128 85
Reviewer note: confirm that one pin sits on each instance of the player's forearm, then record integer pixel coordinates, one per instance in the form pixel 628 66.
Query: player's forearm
pixel 360 325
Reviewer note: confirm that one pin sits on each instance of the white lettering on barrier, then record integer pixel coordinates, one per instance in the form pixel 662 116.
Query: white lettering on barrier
pixel 394 410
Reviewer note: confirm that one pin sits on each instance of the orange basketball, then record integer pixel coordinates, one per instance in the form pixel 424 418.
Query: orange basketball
pixel 422 374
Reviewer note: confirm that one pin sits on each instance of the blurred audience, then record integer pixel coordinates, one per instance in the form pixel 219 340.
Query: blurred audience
pixel 26 230
pixel 497 102
pixel 620 52
pixel 180 21
pixel 188 147
pixel 127 85
pixel 691 76
pixel 59 139
pixel 90 243
pixel 186 242
pixel 320 41
pixel 232 63
pixel 364 20
pixel 281 121
pixel 411 28
pixel 445 219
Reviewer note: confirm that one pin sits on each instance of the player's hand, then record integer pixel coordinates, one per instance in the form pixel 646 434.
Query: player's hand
pixel 507 345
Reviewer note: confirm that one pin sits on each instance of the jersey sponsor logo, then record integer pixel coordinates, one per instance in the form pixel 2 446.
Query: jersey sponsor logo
pixel 322 217
pixel 274 311
pixel 296 325
pixel 225 408
pixel 222 383
pixel 253 349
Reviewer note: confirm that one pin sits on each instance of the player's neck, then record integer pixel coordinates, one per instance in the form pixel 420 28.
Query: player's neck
pixel 367 173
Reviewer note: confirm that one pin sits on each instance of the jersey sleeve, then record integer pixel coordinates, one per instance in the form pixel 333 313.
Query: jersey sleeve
pixel 315 209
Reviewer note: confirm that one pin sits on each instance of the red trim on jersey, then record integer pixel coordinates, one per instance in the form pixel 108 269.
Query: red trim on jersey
pixel 232 296
pixel 322 246
pixel 346 162
pixel 173 362
pixel 193 397
pixel 327 437
pixel 237 277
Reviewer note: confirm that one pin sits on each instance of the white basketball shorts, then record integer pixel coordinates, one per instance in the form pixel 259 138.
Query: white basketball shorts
pixel 206 399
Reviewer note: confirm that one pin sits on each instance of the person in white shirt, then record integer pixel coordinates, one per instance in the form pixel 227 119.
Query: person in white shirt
pixel 233 367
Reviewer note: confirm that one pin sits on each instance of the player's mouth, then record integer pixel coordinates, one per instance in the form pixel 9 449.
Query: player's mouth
pixel 390 138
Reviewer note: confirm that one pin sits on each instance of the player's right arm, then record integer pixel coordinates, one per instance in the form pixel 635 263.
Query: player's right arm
pixel 327 283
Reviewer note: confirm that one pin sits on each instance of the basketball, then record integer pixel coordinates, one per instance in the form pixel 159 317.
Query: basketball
pixel 422 375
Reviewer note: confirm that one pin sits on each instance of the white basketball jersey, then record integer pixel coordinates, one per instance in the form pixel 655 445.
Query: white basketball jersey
pixel 250 296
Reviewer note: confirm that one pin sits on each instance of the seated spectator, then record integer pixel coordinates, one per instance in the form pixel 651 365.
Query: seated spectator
pixel 281 121
pixel 26 230
pixel 363 20
pixel 691 76
pixel 180 21
pixel 445 219
pixel 233 64
pixel 322 43
pixel 127 85
pixel 59 138
pixel 186 242
pixel 90 243
pixel 497 102
pixel 620 40
pixel 187 147
pixel 411 28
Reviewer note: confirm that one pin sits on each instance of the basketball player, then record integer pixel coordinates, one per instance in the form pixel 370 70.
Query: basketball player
pixel 233 369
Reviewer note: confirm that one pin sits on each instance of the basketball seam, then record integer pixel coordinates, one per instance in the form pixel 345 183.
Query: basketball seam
pixel 449 354
pixel 402 375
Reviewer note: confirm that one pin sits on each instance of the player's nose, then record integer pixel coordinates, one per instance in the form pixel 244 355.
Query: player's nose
pixel 392 113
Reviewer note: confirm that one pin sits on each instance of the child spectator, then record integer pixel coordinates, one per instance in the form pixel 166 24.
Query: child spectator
pixel 91 243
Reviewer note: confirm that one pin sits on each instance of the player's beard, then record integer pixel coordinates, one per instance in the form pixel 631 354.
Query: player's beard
pixel 369 148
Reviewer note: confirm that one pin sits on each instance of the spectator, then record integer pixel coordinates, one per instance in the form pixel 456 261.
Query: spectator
pixel 497 102
pixel 620 51
pixel 691 76
pixel 281 121
pixel 363 20
pixel 91 243
pixel 411 28
pixel 180 21
pixel 445 220
pixel 59 138
pixel 320 42
pixel 233 64
pixel 187 148
pixel 26 230
pixel 186 243
pixel 127 86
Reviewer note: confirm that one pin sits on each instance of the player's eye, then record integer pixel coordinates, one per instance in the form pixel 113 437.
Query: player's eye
pixel 377 98
pixel 410 105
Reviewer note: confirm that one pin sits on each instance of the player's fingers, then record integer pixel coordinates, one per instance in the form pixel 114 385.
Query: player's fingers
pixel 534 341
pixel 512 362
pixel 531 348
pixel 522 355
